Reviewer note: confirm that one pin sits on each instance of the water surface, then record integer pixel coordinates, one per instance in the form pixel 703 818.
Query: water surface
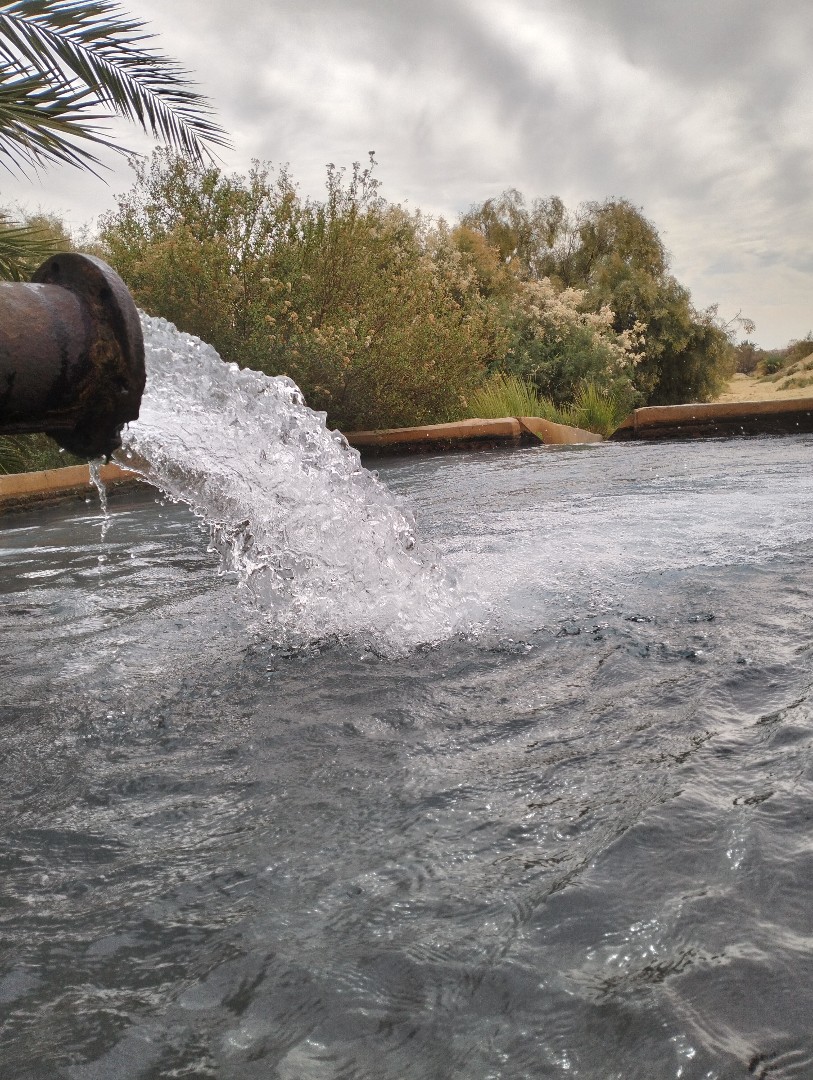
pixel 575 841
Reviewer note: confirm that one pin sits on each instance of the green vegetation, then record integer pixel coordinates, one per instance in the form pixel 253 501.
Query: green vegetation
pixel 775 364
pixel 13 458
pixel 791 375
pixel 800 350
pixel 598 409
pixel 614 256
pixel 29 453
pixel 387 318
pixel 371 309
pixel 509 395
pixel 593 407
pixel 66 64
pixel 26 245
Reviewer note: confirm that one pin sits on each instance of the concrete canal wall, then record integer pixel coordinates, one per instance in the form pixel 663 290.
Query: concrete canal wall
pixel 23 490
pixel 785 417
pixel 469 434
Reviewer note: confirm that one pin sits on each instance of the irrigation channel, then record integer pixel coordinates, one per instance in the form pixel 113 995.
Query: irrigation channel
pixel 296 788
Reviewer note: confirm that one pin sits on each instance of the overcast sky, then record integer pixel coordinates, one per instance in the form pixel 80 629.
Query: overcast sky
pixel 698 111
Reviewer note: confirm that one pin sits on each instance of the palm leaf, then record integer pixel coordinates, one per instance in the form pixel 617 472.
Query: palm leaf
pixel 12 458
pixel 22 249
pixel 66 59
pixel 37 123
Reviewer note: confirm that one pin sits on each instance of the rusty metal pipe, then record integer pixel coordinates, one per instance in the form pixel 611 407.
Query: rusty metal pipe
pixel 71 355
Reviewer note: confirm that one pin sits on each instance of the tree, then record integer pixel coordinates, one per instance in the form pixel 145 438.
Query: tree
pixel 205 250
pixel 534 241
pixel 64 64
pixel 623 262
pixel 372 310
pixel 613 255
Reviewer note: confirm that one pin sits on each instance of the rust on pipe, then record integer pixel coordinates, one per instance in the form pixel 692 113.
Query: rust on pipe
pixel 71 355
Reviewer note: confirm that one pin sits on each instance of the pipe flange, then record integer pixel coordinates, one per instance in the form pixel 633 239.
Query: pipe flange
pixel 112 380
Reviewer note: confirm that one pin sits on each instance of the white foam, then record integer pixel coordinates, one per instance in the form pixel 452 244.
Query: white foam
pixel 320 544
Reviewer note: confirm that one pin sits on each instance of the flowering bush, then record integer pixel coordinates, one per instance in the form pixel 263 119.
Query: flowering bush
pixel 559 345
pixel 614 253
pixel 386 318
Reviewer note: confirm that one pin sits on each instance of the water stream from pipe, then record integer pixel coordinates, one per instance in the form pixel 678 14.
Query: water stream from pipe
pixel 323 548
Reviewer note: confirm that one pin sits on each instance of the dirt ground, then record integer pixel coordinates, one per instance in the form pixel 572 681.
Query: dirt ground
pixel 748 388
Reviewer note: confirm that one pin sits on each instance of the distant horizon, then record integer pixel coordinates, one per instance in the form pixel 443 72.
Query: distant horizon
pixel 700 118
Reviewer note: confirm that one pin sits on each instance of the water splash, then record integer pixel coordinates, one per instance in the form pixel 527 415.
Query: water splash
pixel 321 546
pixel 95 468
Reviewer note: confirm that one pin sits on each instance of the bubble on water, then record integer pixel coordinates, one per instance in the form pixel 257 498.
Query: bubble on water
pixel 321 546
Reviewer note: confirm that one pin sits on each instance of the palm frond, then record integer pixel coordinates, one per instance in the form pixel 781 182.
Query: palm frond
pixel 38 121
pixel 67 59
pixel 23 248
pixel 12 457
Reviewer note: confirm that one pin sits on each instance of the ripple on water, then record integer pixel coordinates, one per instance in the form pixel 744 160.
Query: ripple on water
pixel 575 842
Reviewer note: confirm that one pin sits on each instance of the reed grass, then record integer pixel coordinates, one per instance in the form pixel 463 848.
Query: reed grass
pixel 510 395
pixel 592 409
pixel 596 409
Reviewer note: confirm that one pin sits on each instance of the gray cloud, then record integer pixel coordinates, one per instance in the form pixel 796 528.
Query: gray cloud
pixel 698 113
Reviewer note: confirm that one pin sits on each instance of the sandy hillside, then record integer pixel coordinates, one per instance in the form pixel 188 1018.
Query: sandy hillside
pixel 749 388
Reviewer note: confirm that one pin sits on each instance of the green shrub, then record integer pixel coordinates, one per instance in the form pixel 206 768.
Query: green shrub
pixel 597 409
pixel 398 336
pixel 373 311
pixel 387 319
pixel 593 408
pixel 612 254
pixel 771 365
pixel 510 395
pixel 799 349
pixel 557 345
pixel 747 357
